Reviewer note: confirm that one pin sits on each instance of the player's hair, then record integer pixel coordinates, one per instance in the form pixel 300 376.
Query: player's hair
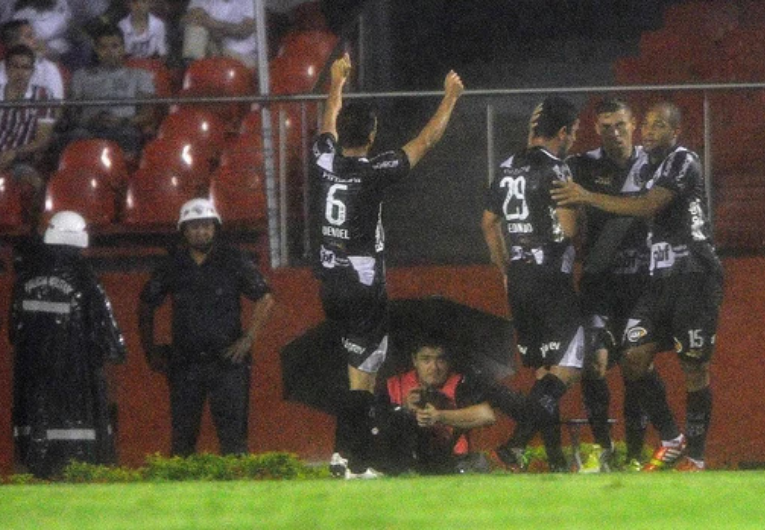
pixel 11 31
pixel 20 49
pixel 552 114
pixel 355 123
pixel 107 30
pixel 612 104
pixel 674 115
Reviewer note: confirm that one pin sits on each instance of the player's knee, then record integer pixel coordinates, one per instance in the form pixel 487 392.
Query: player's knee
pixel 634 364
pixel 697 375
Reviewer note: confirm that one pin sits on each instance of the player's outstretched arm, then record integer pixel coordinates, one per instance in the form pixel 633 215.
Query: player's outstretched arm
pixel 434 130
pixel 568 193
pixel 339 72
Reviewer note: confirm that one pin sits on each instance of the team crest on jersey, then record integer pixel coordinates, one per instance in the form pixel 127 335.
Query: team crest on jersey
pixel 678 346
pixel 636 333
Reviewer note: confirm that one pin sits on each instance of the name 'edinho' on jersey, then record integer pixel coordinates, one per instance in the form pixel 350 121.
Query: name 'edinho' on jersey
pixel 520 194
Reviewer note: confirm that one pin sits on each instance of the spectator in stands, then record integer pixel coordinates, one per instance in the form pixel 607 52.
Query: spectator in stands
pixel 425 414
pixel 51 20
pixel 25 132
pixel 144 33
pixel 110 78
pixel 220 28
pixel 6 12
pixel 46 73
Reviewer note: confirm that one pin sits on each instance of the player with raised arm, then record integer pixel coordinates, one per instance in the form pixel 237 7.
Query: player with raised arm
pixel 349 186
pixel 537 272
pixel 683 297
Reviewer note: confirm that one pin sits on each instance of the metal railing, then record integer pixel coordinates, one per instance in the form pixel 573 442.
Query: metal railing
pixel 276 184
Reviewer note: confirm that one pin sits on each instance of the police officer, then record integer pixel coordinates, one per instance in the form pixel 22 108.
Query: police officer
pixel 210 355
pixel 63 331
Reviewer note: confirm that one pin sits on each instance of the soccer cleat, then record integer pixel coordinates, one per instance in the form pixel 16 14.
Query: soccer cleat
pixel 633 465
pixel 606 459
pixel 338 466
pixel 368 474
pixel 512 460
pixel 689 465
pixel 666 456
pixel 592 462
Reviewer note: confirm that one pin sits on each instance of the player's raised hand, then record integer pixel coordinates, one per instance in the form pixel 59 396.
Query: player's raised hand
pixel 341 68
pixel 453 85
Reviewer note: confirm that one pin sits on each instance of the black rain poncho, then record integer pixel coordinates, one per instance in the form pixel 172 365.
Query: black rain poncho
pixel 63 330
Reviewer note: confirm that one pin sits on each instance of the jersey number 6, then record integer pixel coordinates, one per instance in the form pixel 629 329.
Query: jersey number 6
pixel 335 210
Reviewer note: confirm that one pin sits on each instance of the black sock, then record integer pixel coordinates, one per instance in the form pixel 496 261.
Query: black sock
pixel 597 398
pixel 635 421
pixel 512 403
pixel 653 400
pixel 698 416
pixel 353 437
pixel 545 397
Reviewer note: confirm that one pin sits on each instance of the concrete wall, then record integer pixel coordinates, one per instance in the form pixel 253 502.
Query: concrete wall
pixel 277 425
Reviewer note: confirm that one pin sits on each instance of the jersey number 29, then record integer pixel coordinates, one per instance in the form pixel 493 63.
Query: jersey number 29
pixel 515 206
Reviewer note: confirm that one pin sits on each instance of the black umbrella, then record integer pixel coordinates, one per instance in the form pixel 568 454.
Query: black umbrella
pixel 314 370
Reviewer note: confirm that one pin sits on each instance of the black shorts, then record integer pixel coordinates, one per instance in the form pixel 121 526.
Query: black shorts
pixel 683 309
pixel 608 301
pixel 360 313
pixel 547 316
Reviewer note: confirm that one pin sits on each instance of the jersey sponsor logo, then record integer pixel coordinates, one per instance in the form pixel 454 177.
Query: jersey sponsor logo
pixel 678 346
pixel 634 334
pixel 628 261
pixel 698 220
pixel 386 164
pixel 549 347
pixel 331 231
pixel 662 256
pixel 352 347
pixel 328 258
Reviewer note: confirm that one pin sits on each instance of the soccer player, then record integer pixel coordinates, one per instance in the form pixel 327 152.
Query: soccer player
pixel 683 297
pixel 615 270
pixel 348 208
pixel 537 272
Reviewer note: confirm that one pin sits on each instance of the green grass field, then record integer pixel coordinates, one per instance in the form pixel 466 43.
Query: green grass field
pixel 661 501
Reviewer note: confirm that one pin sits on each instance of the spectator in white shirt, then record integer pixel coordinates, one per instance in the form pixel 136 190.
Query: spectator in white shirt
pixel 46 73
pixel 144 33
pixel 220 28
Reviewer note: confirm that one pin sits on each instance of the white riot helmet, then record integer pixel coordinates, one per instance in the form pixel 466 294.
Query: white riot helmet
pixel 198 209
pixel 67 228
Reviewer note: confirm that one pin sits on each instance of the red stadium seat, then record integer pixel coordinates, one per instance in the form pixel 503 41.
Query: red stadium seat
pixel 187 162
pixel 11 209
pixel 237 186
pixel 154 198
pixel 82 190
pixel 220 76
pixel 103 158
pixel 194 125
